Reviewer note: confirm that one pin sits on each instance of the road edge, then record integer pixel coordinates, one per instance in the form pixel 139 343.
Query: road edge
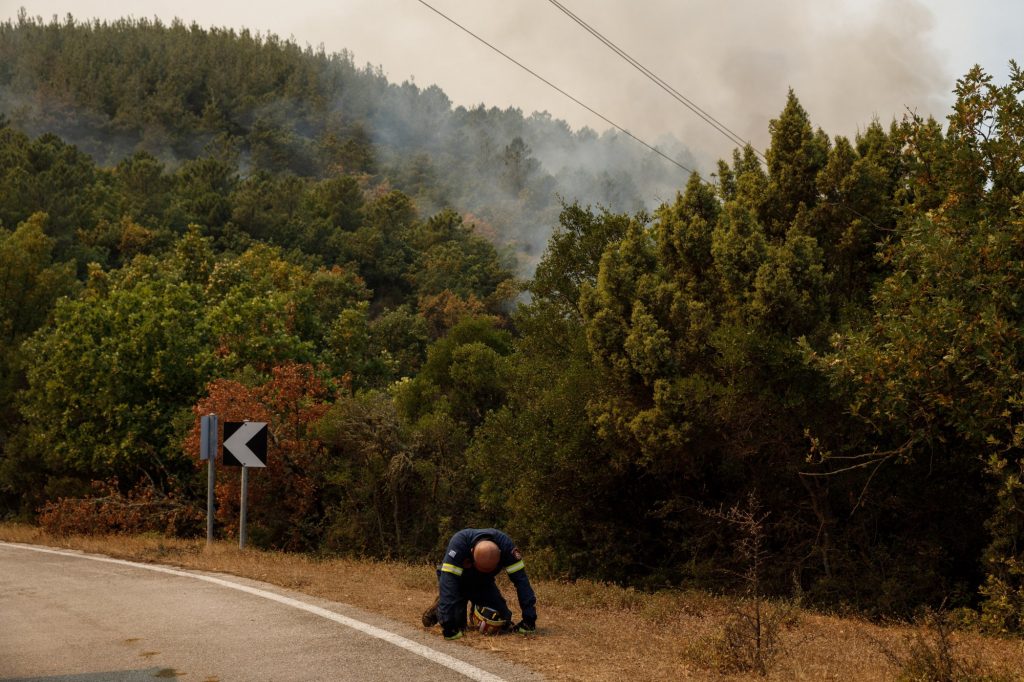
pixel 452 663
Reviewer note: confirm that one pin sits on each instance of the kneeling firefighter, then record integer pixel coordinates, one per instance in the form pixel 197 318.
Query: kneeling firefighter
pixel 473 559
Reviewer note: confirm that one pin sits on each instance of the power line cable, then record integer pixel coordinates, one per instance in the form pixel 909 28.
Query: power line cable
pixel 708 118
pixel 604 118
pixel 555 87
pixel 675 94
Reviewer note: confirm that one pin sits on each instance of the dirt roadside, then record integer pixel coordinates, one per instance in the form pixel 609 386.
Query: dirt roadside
pixel 587 631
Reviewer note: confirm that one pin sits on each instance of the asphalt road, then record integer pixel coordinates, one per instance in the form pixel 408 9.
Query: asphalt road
pixel 83 618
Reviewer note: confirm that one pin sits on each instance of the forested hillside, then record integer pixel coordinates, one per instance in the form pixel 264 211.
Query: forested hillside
pixel 267 105
pixel 827 340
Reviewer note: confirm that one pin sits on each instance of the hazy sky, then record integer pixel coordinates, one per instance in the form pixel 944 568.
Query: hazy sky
pixel 848 60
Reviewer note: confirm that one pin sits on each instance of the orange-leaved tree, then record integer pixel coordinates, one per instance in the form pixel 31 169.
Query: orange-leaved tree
pixel 284 500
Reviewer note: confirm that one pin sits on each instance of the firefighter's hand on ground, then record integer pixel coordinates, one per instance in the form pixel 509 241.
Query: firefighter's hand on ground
pixel 525 627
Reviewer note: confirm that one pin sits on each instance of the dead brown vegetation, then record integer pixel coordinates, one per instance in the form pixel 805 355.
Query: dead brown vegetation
pixel 588 631
pixel 109 511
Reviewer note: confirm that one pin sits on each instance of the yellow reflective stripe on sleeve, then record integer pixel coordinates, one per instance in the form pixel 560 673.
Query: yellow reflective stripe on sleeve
pixel 452 568
pixel 517 566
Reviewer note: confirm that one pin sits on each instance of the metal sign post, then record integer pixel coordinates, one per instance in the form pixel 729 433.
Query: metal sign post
pixel 244 510
pixel 245 445
pixel 208 451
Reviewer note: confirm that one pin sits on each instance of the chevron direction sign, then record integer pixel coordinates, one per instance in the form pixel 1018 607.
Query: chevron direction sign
pixel 245 444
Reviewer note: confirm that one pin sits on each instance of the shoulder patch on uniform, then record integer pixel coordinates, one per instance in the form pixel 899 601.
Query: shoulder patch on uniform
pixel 451 553
pixel 516 553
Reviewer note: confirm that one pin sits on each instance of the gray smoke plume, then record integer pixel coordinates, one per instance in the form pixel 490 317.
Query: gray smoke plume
pixel 848 61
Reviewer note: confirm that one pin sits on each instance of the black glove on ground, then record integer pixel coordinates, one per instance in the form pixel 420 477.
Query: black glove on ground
pixel 525 626
pixel 451 633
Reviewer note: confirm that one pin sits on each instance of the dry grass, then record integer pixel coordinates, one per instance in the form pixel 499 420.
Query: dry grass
pixel 588 631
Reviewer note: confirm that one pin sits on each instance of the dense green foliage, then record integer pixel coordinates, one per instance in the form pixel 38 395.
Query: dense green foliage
pixel 835 332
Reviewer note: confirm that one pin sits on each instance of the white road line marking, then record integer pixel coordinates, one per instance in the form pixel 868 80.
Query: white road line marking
pixel 459 666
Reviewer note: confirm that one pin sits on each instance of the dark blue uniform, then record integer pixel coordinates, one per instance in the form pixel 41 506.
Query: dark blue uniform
pixel 460 582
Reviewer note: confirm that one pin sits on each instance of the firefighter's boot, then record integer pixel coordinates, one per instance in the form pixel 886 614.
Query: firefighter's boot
pixel 430 615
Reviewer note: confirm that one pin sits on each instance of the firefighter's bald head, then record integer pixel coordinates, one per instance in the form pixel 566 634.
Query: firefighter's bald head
pixel 485 556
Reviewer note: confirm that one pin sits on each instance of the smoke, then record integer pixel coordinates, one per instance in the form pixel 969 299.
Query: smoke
pixel 849 61
pixel 848 64
pixel 91 132
pixel 509 170
pixel 847 67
